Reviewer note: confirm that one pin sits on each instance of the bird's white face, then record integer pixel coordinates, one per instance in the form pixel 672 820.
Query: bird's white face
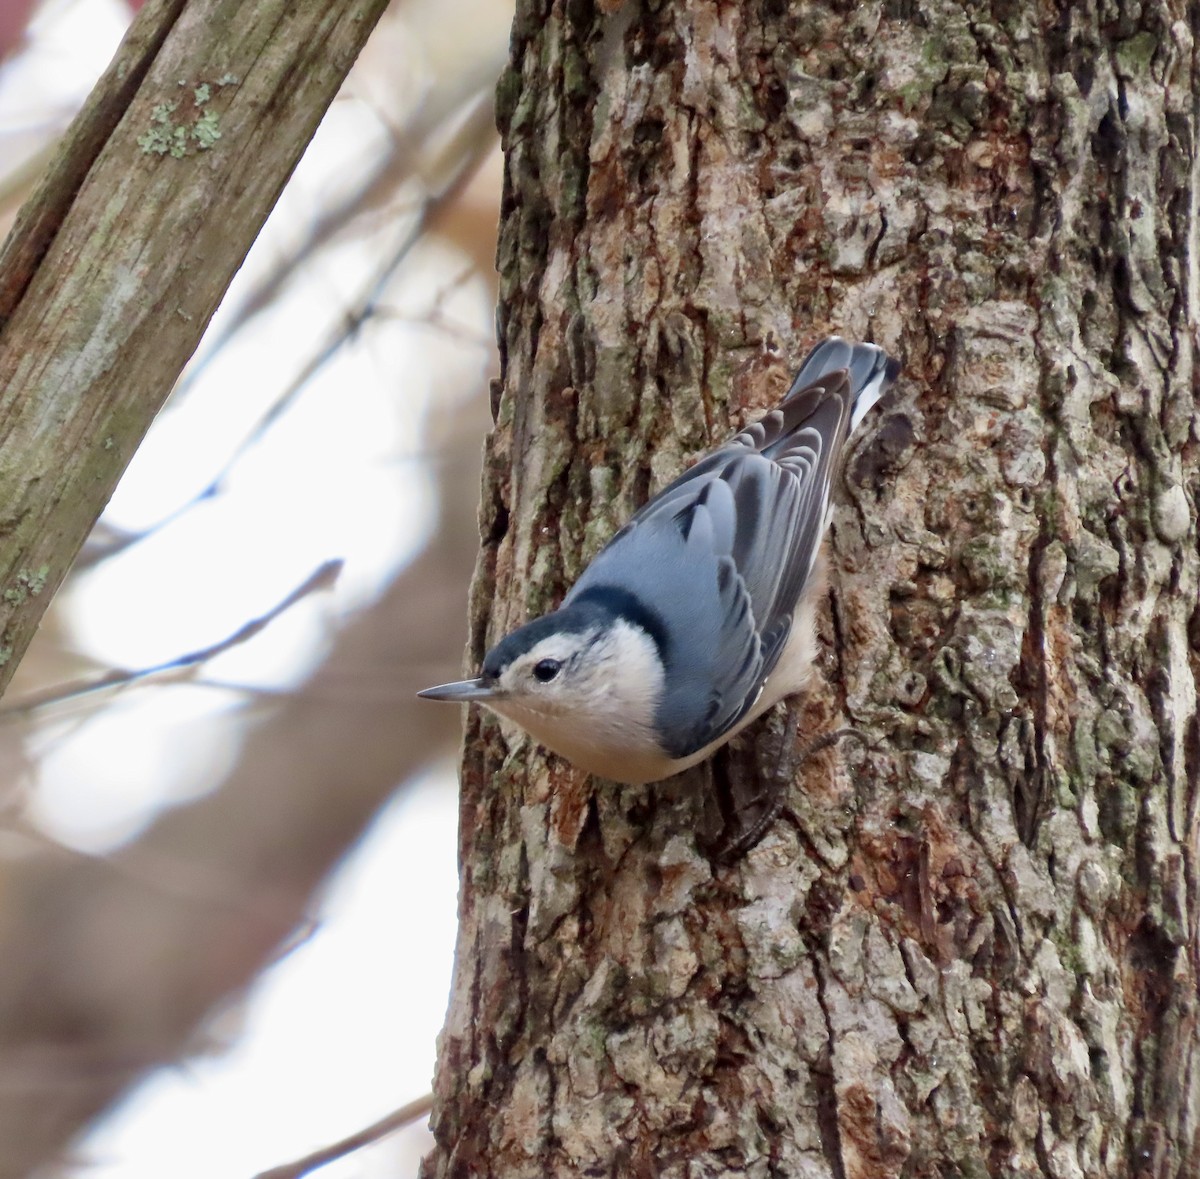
pixel 555 677
pixel 587 678
pixel 589 695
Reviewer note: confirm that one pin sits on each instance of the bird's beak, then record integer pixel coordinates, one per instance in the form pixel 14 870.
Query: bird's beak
pixel 461 692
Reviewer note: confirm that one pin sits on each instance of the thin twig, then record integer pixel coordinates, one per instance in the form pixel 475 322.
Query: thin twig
pixel 480 140
pixel 321 578
pixel 394 1121
pixel 386 179
pixel 347 329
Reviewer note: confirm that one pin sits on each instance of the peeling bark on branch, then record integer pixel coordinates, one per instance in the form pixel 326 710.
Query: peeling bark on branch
pixel 970 950
pixel 113 270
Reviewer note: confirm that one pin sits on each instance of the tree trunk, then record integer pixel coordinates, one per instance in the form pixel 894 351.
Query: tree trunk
pixel 969 949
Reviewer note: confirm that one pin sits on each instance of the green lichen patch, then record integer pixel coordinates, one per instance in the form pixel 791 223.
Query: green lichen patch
pixel 163 136
pixel 36 581
pixel 1134 56
pixel 207 130
pixel 27 584
pixel 171 132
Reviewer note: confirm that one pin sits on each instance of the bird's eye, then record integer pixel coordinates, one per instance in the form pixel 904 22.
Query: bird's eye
pixel 545 670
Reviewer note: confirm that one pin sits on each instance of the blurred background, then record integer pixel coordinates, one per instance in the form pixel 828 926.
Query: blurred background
pixel 285 562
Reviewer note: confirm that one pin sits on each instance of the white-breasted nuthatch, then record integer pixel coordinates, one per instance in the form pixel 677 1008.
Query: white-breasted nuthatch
pixel 698 615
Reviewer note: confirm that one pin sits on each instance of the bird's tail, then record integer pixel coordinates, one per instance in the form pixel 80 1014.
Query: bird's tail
pixel 872 372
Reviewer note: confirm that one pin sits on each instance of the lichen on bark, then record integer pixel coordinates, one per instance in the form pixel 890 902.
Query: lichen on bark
pixel 969 948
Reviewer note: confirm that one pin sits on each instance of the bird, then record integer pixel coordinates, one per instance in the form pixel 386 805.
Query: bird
pixel 699 614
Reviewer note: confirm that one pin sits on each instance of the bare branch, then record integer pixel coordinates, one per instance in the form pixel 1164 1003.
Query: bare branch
pixel 396 1120
pixel 322 578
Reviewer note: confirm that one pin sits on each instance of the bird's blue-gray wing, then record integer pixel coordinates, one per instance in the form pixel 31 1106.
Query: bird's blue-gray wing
pixel 722 555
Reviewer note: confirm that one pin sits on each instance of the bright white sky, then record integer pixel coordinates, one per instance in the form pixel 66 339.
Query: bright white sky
pixel 342 1030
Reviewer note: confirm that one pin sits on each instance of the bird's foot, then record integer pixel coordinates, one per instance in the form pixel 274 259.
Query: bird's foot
pixel 737 837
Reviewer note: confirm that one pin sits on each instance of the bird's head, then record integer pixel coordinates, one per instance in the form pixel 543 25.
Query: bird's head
pixel 579 679
pixel 562 663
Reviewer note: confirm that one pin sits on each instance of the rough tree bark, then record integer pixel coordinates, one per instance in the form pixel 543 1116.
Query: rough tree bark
pixel 971 948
